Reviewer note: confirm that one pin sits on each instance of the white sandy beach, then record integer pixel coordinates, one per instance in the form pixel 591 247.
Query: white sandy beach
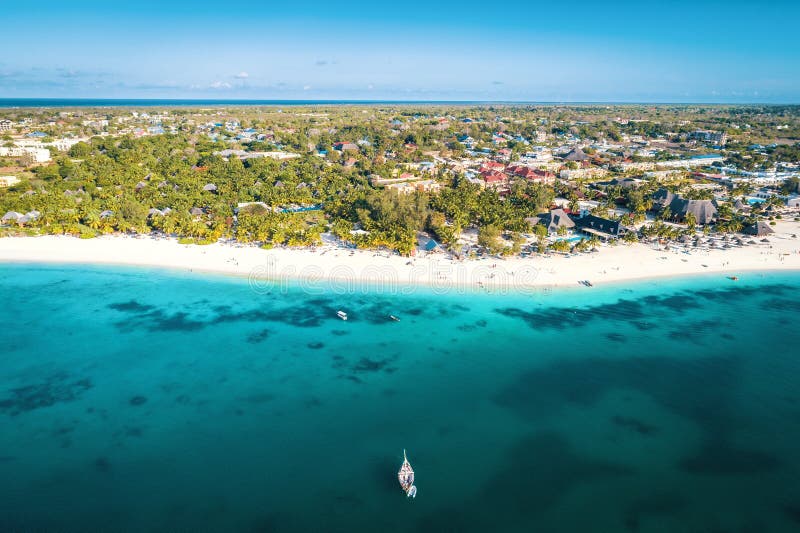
pixel 609 264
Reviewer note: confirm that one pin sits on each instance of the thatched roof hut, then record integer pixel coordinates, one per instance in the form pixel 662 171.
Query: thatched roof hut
pixel 12 215
pixel 576 154
pixel 704 211
pixel 556 218
pixel 759 229
pixel 663 197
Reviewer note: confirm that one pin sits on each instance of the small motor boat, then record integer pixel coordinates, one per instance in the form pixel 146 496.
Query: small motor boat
pixel 406 478
pixel 342 315
pixel 394 318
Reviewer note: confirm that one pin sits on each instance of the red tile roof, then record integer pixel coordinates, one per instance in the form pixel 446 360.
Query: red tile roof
pixel 492 176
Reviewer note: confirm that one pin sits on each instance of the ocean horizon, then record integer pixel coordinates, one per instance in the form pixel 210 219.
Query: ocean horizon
pixel 144 399
pixel 22 103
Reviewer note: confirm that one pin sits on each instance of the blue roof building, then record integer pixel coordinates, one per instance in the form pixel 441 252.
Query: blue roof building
pixel 431 245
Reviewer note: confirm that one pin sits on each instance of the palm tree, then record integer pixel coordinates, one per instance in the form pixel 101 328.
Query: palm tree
pixel 691 220
pixel 725 211
pixel 93 220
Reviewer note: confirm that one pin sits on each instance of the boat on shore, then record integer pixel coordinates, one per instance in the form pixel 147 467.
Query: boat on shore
pixel 406 478
pixel 342 315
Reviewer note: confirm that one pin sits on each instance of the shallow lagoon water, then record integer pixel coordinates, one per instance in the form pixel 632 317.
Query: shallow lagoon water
pixel 150 400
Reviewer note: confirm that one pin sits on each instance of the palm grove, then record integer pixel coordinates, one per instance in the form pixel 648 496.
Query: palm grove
pixel 115 185
pixel 174 184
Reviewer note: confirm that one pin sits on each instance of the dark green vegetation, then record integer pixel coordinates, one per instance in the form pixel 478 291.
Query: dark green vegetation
pixel 116 182
pixel 122 179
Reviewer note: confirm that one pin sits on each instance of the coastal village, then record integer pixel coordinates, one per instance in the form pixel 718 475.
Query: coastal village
pixel 463 182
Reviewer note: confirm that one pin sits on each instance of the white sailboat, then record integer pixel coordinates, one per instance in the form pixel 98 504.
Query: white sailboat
pixel 406 478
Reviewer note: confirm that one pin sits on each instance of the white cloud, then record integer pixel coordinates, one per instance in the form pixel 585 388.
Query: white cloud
pixel 242 75
pixel 306 87
pixel 220 85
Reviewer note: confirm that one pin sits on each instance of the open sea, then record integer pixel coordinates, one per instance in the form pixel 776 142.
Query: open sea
pixel 208 102
pixel 152 400
pixel 211 102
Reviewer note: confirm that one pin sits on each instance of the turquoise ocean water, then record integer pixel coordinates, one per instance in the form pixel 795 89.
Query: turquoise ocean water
pixel 148 400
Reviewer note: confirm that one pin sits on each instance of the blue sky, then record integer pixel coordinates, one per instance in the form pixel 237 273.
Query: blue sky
pixel 699 51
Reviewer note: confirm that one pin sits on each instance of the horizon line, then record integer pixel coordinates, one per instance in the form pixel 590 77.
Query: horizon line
pixel 14 102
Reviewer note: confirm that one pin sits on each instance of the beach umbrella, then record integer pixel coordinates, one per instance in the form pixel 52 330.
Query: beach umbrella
pixel 764 240
pixel 751 241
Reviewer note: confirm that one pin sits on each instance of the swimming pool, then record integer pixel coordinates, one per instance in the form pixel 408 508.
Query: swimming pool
pixel 574 239
pixel 302 209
